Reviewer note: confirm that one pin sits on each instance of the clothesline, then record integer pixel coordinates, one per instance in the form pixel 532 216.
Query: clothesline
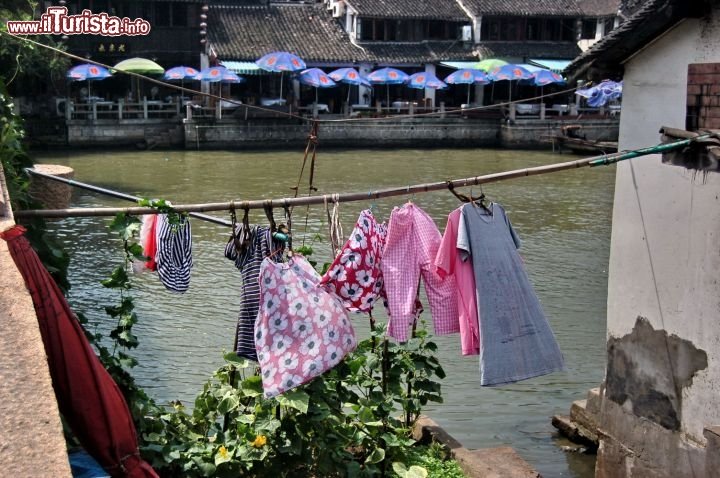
pixel 370 195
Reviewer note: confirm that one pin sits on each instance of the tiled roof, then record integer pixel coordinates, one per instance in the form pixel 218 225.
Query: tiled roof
pixel 599 8
pixel 527 50
pixel 247 33
pixel 545 8
pixel 417 52
pixel 648 22
pixel 416 9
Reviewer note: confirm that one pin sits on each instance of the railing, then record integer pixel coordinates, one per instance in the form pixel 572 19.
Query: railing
pixel 97 109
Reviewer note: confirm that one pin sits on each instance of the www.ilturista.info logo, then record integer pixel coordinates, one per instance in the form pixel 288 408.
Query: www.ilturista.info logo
pixel 56 21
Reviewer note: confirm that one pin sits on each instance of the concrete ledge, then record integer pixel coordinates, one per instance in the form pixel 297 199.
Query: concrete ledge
pixel 31 436
pixel 500 462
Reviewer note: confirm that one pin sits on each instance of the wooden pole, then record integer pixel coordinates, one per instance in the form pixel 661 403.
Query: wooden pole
pixel 599 160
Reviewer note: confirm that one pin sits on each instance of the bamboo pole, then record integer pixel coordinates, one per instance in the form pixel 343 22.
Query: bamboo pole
pixel 599 160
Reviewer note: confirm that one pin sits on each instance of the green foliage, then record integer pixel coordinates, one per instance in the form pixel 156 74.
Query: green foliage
pixel 164 207
pixel 434 460
pixel 14 161
pixel 25 65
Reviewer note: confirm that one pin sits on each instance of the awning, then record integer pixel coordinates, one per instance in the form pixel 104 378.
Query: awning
pixel 459 65
pixel 244 67
pixel 553 65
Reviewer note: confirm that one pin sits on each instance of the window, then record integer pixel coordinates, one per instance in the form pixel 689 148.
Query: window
pixel 490 29
pixel 587 31
pixel 609 25
pixel 567 30
pixel 179 14
pixel 436 30
pixel 532 29
pixel 162 14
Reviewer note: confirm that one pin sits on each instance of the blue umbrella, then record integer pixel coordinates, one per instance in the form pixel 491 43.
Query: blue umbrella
pixel 317 78
pixel 218 74
pixel 350 76
pixel 423 80
pixel 387 76
pixel 181 73
pixel 546 77
pixel 467 76
pixel 281 61
pixel 88 72
pixel 510 72
pixel 600 94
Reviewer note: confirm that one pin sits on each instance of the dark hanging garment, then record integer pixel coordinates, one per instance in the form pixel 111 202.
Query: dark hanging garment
pixel 516 339
pixel 248 257
pixel 174 253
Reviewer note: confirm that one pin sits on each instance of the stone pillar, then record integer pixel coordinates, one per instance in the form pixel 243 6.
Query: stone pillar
pixel 52 194
pixel 365 69
pixel 429 92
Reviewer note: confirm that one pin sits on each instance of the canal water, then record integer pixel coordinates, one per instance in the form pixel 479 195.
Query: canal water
pixel 562 218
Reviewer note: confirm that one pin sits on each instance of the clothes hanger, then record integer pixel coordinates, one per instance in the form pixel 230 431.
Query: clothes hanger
pixel 241 243
pixel 476 201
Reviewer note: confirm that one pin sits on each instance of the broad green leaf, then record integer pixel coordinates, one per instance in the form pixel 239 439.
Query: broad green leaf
pixel 416 471
pixel 376 456
pixel 399 468
pixel 297 399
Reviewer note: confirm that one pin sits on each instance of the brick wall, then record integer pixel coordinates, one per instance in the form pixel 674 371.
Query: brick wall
pixel 703 96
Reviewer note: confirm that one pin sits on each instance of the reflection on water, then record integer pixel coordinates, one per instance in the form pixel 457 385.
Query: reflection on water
pixel 563 220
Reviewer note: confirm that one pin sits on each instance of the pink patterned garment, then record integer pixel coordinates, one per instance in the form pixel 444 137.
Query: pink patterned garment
pixel 301 330
pixel 449 263
pixel 355 275
pixel 411 246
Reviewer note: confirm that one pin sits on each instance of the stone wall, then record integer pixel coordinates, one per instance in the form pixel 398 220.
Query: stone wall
pixel 398 133
pixel 535 133
pixel 140 133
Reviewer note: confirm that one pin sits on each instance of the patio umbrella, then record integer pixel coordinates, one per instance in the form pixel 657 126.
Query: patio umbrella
pixel 489 64
pixel 181 73
pixel 387 76
pixel 280 62
pixel 546 77
pixel 510 72
pixel 317 78
pixel 88 72
pixel 467 76
pixel 600 94
pixel 88 398
pixel 219 74
pixel 141 66
pixel 350 76
pixel 423 80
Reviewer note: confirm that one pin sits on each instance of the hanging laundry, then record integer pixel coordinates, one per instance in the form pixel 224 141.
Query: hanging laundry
pixel 302 330
pixel 355 275
pixel 411 246
pixel 174 253
pixel 449 263
pixel 260 244
pixel 148 242
pixel 516 339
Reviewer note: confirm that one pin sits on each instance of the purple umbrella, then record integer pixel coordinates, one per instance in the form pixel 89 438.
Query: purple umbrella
pixel 387 76
pixel 281 61
pixel 218 74
pixel 467 76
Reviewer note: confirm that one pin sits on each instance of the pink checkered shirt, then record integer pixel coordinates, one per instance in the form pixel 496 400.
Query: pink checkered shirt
pixel 411 246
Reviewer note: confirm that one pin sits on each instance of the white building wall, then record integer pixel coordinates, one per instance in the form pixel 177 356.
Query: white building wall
pixel 668 271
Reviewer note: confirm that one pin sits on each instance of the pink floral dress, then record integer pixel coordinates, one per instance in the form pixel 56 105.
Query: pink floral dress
pixel 301 330
pixel 355 275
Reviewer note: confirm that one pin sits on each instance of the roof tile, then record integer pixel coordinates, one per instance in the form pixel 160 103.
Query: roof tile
pixel 557 8
pixel 417 9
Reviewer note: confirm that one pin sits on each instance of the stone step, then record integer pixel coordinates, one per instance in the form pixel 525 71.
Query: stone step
pixel 593 402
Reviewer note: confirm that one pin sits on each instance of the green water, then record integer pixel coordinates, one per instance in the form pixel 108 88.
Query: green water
pixel 562 218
